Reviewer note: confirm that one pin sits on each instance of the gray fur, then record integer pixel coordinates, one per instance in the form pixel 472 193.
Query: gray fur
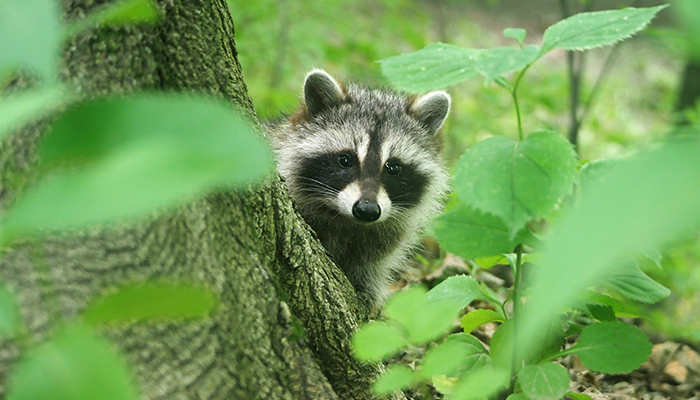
pixel 378 127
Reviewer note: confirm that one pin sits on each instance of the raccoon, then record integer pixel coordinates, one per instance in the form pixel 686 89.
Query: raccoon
pixel 365 170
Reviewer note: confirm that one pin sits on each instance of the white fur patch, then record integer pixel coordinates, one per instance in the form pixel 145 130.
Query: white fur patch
pixel 348 197
pixel 384 204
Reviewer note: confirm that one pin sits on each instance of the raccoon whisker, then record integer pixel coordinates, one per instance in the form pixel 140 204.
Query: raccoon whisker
pixel 320 184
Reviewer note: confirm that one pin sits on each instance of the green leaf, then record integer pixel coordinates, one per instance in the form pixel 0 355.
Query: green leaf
pixel 481 383
pixel 436 66
pixel 140 153
pixel 547 381
pixel 476 318
pixel 629 281
pixel 457 355
pixel 515 33
pixel 612 347
pixel 469 233
pixel 396 377
pixel 517 396
pixel 550 341
pixel 601 312
pixel 9 313
pixel 579 396
pixel 458 290
pixel 596 29
pixel 30 36
pixel 596 171
pixel 687 16
pixel 145 301
pixel 422 320
pixel 23 107
pixel 516 181
pixel 375 341
pixel 74 365
pixel 493 63
pixel 126 12
pixel 620 308
pixel 488 262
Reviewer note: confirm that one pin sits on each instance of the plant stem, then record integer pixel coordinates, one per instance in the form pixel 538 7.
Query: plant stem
pixel 517 312
pixel 514 93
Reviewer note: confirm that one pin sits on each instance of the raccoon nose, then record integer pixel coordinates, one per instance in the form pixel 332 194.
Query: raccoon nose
pixel 366 211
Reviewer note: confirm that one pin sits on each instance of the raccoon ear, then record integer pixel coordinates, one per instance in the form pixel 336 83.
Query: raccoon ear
pixel 431 109
pixel 321 91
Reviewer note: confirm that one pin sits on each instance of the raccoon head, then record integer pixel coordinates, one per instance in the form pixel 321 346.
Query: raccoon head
pixel 366 155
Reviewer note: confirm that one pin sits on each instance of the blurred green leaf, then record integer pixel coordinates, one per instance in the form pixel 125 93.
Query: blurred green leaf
pixel 145 301
pixel 421 318
pixel 687 13
pixel 629 281
pixel 495 62
pixel 9 313
pixel 620 308
pixel 515 33
pixel 546 381
pixel 436 66
pixel 458 291
pixel 647 201
pixel 124 12
pixel 74 365
pixel 396 377
pixel 516 181
pixel 579 396
pixel 476 318
pixel 469 233
pixel 457 355
pixel 30 36
pixel 612 347
pixel 596 171
pixel 550 341
pixel 139 153
pixel 376 340
pixel 23 107
pixel 596 29
pixel 481 383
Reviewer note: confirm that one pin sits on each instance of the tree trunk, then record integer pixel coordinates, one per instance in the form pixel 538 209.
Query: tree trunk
pixel 286 313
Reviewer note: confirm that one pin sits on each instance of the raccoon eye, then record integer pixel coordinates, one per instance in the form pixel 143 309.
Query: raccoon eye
pixel 393 168
pixel 345 161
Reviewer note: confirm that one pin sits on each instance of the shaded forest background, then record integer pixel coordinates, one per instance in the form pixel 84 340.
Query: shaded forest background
pixel 635 86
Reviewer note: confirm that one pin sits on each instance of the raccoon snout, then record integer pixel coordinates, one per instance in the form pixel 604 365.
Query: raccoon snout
pixel 367 211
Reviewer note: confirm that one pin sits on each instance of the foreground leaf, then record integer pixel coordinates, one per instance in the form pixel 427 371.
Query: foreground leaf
pixel 30 36
pixel 152 301
pixel 396 377
pixel 474 319
pixel 26 106
pixel 596 29
pixel 138 154
pixel 612 347
pixel 422 318
pixel 9 313
pixel 457 355
pixel 436 66
pixel 480 384
pixel 74 365
pixel 629 281
pixel 377 340
pixel 645 202
pixel 516 181
pixel 546 381
pixel 470 234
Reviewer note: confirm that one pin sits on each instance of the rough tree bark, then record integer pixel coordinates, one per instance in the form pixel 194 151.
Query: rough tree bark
pixel 286 312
